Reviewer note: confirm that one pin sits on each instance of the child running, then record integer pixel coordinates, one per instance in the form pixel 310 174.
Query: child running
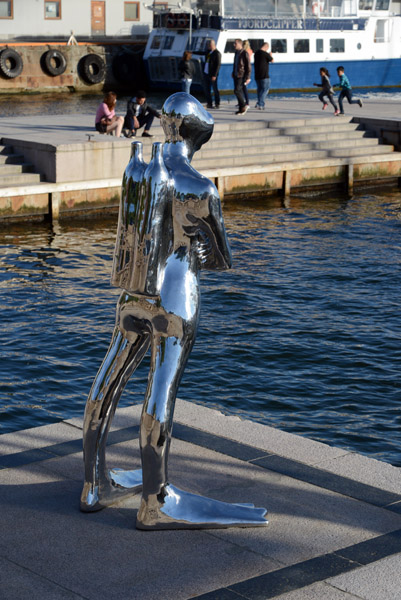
pixel 346 90
pixel 327 90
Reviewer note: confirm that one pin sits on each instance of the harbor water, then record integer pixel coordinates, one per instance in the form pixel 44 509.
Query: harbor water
pixel 302 334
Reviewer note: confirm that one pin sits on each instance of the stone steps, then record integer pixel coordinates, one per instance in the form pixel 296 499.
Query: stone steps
pixel 14 171
pixel 11 159
pixel 257 143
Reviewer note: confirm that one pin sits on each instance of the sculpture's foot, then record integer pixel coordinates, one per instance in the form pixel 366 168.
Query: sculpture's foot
pixel 119 485
pixel 175 509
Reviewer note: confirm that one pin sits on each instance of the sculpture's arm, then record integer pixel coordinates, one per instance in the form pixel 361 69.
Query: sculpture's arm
pixel 208 227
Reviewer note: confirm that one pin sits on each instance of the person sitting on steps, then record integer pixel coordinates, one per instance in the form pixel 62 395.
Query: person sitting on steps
pixel 139 114
pixel 106 120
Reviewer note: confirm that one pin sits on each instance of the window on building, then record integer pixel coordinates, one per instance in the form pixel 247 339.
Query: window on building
pixel 337 45
pixel 319 45
pixel 52 9
pixel 301 46
pixel 131 11
pixel 6 9
pixel 279 46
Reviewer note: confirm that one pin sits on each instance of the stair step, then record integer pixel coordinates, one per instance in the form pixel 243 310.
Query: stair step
pixel 259 142
pixel 308 123
pixel 11 159
pixel 329 128
pixel 361 151
pixel 6 149
pixel 263 149
pixel 321 137
pixel 244 133
pixel 21 179
pixel 241 124
pixel 344 143
pixel 258 159
pixel 9 169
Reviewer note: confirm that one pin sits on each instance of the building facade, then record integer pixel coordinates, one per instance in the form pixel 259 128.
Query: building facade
pixel 26 20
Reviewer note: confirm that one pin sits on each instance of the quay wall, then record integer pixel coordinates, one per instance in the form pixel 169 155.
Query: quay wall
pixel 123 68
pixel 86 177
pixel 66 200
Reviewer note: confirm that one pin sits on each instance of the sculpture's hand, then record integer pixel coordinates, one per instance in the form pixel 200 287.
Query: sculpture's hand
pixel 208 250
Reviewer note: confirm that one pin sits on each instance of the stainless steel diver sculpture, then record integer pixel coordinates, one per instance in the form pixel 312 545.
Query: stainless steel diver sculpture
pixel 170 227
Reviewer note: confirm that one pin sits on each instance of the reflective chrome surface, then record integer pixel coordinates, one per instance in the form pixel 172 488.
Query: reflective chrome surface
pixel 170 227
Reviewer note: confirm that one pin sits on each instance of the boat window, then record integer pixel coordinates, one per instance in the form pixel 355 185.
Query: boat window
pixel 381 33
pixel 365 4
pixel 199 44
pixel 6 9
pixel 337 45
pixel 279 46
pixel 256 44
pixel 156 42
pixel 382 4
pixel 230 47
pixel 301 45
pixel 168 42
pixel 319 45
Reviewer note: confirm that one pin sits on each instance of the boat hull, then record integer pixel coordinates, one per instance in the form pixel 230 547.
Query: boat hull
pixel 302 75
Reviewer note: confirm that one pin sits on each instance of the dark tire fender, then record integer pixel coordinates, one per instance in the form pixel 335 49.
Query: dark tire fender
pixel 54 62
pixel 93 68
pixel 11 63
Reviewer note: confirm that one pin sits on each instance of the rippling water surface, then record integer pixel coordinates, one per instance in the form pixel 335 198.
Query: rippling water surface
pixel 303 333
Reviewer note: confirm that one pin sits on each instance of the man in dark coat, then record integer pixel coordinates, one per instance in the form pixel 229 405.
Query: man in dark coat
pixel 261 63
pixel 210 75
pixel 139 114
pixel 241 75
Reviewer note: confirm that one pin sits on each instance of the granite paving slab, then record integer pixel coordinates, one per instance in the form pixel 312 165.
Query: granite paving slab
pixel 325 531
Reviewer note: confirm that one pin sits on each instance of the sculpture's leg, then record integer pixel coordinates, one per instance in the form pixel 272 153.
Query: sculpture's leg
pixel 164 506
pixel 102 488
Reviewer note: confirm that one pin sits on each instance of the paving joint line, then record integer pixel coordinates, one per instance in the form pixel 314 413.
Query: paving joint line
pixel 312 475
pixel 314 570
pixel 62 587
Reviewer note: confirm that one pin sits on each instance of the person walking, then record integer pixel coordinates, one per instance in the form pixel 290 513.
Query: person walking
pixel 241 75
pixel 346 90
pixel 327 90
pixel 247 46
pixel 106 120
pixel 186 70
pixel 210 75
pixel 139 114
pixel 263 58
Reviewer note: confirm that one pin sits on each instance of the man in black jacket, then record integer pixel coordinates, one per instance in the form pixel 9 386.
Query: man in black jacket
pixel 139 113
pixel 261 63
pixel 241 75
pixel 210 75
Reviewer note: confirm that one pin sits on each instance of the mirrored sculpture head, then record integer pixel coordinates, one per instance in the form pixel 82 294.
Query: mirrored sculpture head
pixel 184 119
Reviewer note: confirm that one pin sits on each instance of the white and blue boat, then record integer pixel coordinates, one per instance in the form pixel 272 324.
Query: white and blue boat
pixel 362 35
